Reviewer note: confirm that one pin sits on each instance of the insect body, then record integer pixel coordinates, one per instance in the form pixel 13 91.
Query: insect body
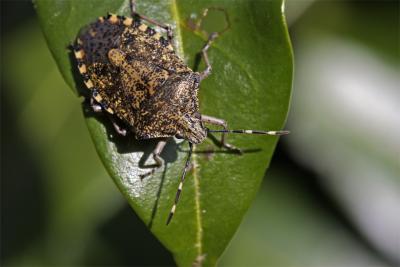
pixel 133 74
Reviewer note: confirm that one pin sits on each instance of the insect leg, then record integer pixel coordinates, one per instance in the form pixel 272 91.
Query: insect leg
pixel 98 109
pixel 224 124
pixel 207 71
pixel 157 151
pixel 166 27
pixel 95 107
pixel 179 191
pixel 118 129
pixel 156 156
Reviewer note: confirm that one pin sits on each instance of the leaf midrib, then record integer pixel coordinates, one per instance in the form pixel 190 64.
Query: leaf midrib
pixel 199 230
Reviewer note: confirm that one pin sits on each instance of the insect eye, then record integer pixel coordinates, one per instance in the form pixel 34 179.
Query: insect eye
pixel 188 117
pixel 196 80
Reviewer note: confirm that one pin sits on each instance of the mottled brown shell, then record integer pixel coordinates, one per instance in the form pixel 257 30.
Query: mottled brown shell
pixel 134 73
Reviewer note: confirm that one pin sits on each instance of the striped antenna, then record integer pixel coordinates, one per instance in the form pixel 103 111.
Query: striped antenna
pixel 178 193
pixel 283 132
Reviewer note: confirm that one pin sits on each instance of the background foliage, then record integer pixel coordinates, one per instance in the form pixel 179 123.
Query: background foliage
pixel 311 209
pixel 242 89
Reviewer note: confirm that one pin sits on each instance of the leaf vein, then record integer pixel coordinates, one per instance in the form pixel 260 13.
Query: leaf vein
pixel 199 232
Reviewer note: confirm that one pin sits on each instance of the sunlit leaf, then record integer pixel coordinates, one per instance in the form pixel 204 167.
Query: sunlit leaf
pixel 249 87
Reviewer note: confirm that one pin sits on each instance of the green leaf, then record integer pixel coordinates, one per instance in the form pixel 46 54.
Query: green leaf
pixel 249 87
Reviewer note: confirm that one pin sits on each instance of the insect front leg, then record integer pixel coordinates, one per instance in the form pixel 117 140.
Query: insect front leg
pixel 117 128
pixel 166 27
pixel 156 156
pixel 224 124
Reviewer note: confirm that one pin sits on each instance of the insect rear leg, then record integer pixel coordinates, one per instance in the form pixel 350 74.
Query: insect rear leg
pixel 224 124
pixel 166 27
pixel 156 156
pixel 204 51
pixel 97 108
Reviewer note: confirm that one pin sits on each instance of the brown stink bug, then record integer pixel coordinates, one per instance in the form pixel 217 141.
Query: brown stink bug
pixel 134 75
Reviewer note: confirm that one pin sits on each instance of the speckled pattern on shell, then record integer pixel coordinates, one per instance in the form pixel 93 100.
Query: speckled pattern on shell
pixel 135 74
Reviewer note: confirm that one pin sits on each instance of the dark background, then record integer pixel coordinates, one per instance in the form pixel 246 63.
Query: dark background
pixel 300 217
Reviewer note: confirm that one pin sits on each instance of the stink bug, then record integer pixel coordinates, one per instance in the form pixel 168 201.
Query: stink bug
pixel 134 75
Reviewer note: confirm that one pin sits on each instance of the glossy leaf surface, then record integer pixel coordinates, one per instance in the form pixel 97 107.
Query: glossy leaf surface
pixel 249 87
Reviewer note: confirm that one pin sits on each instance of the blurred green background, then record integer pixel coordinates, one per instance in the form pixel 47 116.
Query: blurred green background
pixel 330 198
